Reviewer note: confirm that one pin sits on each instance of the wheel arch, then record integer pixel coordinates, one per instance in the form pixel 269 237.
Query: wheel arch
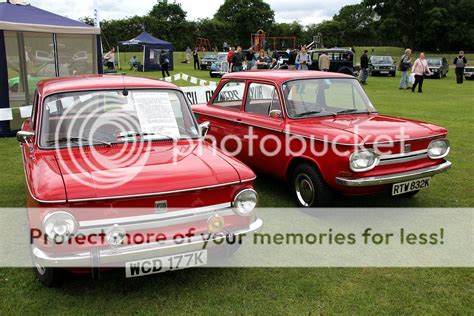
pixel 295 161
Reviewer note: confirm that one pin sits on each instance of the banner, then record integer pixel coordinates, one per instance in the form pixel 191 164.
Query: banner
pixel 197 95
pixel 6 114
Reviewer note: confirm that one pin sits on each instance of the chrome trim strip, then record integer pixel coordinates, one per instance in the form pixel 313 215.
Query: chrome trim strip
pixel 403 157
pixel 393 178
pixel 117 256
pixel 152 217
pixel 312 137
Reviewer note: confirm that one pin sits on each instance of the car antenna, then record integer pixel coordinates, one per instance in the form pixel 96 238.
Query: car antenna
pixel 124 91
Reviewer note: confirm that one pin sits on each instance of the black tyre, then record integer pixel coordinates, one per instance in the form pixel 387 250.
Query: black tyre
pixel 212 75
pixel 309 187
pixel 393 74
pixel 49 277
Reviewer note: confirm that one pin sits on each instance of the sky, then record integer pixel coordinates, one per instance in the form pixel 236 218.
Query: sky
pixel 304 11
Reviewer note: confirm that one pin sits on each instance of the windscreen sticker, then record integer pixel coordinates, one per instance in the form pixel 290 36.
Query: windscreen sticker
pixel 155 113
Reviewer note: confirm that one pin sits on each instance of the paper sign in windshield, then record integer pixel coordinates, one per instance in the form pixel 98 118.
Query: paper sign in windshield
pixel 155 114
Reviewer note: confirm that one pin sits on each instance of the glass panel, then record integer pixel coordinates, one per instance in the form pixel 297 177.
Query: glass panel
pixel 95 117
pixel 76 54
pixel 321 97
pixel 231 95
pixel 39 57
pixel 261 99
pixel 15 83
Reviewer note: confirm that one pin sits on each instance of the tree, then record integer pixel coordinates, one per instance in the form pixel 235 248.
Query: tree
pixel 243 17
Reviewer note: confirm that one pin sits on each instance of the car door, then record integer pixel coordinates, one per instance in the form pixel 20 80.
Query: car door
pixel 223 111
pixel 261 128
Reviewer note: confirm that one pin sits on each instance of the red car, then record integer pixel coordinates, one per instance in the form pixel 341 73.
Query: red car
pixel 320 132
pixel 110 160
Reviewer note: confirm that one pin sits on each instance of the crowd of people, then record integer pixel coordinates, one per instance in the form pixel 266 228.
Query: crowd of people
pixel 413 75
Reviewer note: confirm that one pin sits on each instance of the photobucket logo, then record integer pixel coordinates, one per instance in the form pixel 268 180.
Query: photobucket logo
pixel 92 143
pixel 260 142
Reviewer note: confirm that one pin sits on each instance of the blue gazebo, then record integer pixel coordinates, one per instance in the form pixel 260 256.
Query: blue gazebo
pixel 37 44
pixel 153 49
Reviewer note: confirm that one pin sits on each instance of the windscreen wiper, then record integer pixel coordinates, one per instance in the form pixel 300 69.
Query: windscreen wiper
pixel 137 134
pixel 78 140
pixel 307 113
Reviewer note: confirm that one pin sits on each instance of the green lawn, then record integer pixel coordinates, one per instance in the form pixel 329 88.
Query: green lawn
pixel 282 291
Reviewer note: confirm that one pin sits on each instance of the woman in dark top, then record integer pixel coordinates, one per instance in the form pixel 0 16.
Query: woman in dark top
pixel 262 61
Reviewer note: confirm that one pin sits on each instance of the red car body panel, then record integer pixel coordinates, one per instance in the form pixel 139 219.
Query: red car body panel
pixel 61 179
pixel 343 131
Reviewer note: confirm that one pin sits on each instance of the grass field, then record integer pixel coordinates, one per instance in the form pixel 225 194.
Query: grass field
pixel 282 291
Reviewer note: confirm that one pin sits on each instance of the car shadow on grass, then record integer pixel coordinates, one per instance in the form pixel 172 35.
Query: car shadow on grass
pixel 276 193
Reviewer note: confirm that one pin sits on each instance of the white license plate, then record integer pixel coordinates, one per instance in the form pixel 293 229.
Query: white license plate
pixel 163 264
pixel 384 72
pixel 408 186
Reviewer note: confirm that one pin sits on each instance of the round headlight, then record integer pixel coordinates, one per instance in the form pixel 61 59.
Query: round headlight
pixel 245 202
pixel 59 226
pixel 438 148
pixel 363 160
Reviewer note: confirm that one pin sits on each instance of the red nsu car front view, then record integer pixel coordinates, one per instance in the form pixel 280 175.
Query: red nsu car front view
pixel 118 175
pixel 320 132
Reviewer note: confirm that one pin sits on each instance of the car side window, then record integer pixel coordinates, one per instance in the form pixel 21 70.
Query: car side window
pixel 230 96
pixel 262 99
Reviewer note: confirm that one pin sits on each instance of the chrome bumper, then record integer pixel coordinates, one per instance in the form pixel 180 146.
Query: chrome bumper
pixel 115 257
pixel 394 178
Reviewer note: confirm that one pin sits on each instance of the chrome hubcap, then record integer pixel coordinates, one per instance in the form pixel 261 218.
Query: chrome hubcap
pixel 41 269
pixel 304 189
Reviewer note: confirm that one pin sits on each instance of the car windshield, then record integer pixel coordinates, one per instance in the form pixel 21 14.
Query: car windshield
pixel 222 57
pixel 381 60
pixel 114 116
pixel 210 56
pixel 434 62
pixel 323 97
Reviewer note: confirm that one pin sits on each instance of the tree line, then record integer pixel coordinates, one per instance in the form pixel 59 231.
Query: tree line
pixel 445 25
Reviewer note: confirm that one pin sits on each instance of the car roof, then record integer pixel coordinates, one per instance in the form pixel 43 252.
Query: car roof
pixel 281 76
pixel 333 50
pixel 97 82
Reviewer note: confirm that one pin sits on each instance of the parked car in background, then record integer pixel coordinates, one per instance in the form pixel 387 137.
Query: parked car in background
pixel 469 72
pixel 284 57
pixel 439 66
pixel 341 60
pixel 207 60
pixel 220 67
pixel 382 65
pixel 124 156
pixel 319 132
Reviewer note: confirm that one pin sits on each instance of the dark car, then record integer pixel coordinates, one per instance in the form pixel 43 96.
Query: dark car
pixel 469 72
pixel 341 60
pixel 207 61
pixel 438 66
pixel 382 65
pixel 284 57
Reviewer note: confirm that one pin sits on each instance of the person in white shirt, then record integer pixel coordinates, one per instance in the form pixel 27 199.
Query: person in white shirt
pixel 420 69
pixel 303 59
pixel 110 59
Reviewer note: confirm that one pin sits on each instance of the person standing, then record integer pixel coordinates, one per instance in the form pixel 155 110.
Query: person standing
pixel 420 69
pixel 196 59
pixel 110 59
pixel 292 59
pixel 364 67
pixel 404 67
pixel 237 60
pixel 460 62
pixel 188 55
pixel 303 60
pixel 225 47
pixel 250 58
pixel 165 63
pixel 324 62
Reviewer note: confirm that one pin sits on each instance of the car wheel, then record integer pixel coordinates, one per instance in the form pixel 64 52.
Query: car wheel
pixel 393 74
pixel 409 194
pixel 49 277
pixel 439 76
pixel 212 75
pixel 309 188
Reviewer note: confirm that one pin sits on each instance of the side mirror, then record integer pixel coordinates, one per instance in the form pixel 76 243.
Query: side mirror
pixel 205 127
pixel 275 114
pixel 24 136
